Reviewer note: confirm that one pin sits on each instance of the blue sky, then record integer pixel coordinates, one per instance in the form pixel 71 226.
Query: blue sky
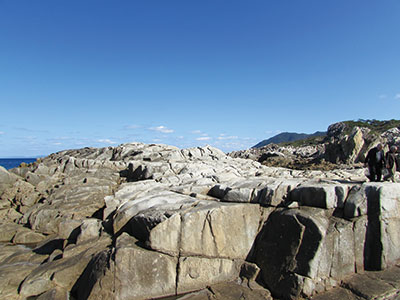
pixel 189 73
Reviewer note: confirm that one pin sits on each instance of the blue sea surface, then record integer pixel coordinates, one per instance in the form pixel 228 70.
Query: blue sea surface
pixel 10 163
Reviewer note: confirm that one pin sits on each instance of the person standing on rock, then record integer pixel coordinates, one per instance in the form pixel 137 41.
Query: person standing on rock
pixel 391 164
pixel 376 161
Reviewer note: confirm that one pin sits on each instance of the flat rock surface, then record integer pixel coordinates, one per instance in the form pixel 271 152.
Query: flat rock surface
pixel 377 285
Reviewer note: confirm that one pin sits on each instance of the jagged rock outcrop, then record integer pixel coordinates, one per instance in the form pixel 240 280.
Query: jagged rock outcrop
pixel 346 143
pixel 146 221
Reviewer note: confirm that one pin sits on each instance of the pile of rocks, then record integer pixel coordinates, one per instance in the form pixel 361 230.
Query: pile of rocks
pixel 146 221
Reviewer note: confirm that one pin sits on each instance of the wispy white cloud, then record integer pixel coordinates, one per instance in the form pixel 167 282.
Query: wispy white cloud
pixel 2 132
pixel 106 141
pixel 162 129
pixel 223 137
pixel 203 138
pixel 397 96
pixel 196 131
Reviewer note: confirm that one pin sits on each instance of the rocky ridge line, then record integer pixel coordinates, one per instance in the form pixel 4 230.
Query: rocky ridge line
pixel 345 145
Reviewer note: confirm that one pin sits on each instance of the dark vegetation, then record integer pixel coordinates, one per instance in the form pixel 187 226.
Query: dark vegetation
pixel 289 137
pixel 376 126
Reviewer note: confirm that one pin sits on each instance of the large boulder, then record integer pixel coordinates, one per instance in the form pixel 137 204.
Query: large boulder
pixel 287 250
pixel 129 209
pixel 266 191
pixel 301 251
pixel 7 177
pixel 201 228
pixel 138 273
pixel 62 273
pixel 63 203
pixel 133 273
pixel 141 273
pixel 14 268
pixel 322 195
pixel 382 241
pixel 226 230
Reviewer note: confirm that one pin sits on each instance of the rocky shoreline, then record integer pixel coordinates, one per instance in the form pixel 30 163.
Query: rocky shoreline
pixel 149 221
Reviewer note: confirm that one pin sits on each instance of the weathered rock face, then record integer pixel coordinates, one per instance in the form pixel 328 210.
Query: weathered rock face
pixel 350 148
pixel 342 145
pixel 306 250
pixel 140 272
pixel 146 221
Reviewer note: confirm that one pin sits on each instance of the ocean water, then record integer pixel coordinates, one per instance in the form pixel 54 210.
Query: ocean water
pixel 10 163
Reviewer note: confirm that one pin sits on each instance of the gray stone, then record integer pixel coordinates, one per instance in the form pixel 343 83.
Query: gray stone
pixel 210 229
pixel 343 262
pixel 7 177
pixel 383 241
pixel 277 192
pixel 390 276
pixel 45 220
pixel 90 228
pixel 28 237
pixel 26 194
pixel 62 273
pixel 195 273
pixel 34 179
pixel 55 294
pixel 8 231
pixel 68 229
pixel 141 273
pixel 310 250
pixel 356 203
pixel 319 195
pixel 369 288
pixel 360 233
pixel 11 276
pixel 336 294
pixel 226 230
pixel 20 255
pixel 229 291
pixel 130 209
pixel 240 195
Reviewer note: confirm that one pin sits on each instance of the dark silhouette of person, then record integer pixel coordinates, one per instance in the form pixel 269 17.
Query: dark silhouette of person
pixel 375 160
pixel 391 164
